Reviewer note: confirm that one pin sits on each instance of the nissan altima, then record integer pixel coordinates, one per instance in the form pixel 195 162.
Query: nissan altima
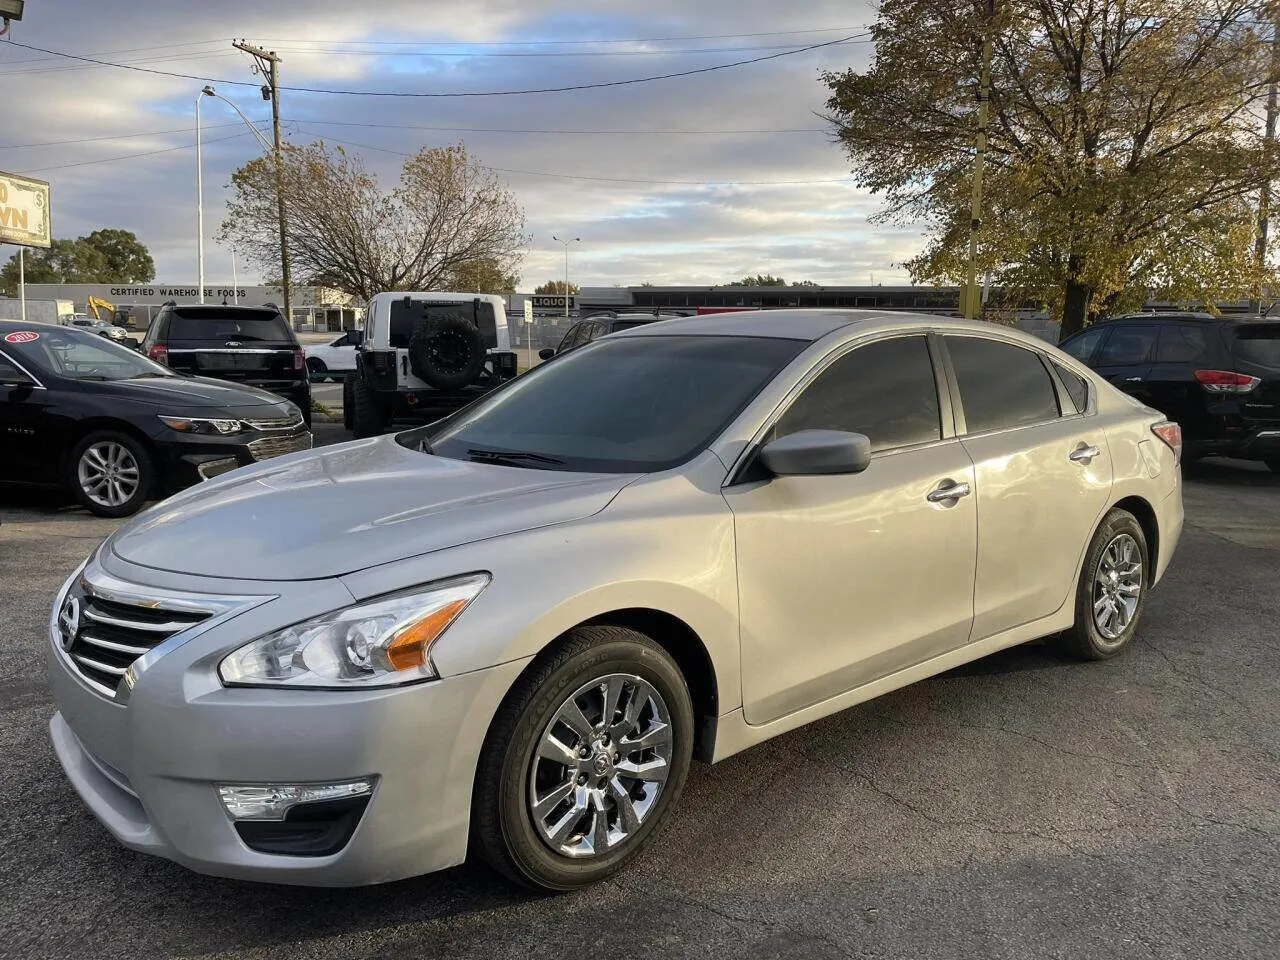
pixel 509 633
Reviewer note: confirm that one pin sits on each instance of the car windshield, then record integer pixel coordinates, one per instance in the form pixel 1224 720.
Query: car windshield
pixel 1259 343
pixel 631 405
pixel 80 355
pixel 232 323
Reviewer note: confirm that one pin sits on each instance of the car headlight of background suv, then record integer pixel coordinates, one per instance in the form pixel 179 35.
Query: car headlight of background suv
pixel 199 425
pixel 380 643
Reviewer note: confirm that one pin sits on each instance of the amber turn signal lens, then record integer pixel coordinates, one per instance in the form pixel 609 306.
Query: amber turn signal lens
pixel 410 646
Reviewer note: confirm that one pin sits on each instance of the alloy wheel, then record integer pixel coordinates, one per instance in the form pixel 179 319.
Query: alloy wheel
pixel 1117 586
pixel 109 474
pixel 600 766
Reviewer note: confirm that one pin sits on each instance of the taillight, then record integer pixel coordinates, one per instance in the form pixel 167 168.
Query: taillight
pixel 299 361
pixel 1224 381
pixel 1171 434
pixel 159 353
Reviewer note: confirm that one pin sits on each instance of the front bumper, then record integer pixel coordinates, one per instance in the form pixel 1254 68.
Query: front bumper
pixel 185 460
pixel 148 768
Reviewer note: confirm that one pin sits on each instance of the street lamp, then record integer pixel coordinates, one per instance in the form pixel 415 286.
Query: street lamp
pixel 266 144
pixel 566 268
pixel 206 92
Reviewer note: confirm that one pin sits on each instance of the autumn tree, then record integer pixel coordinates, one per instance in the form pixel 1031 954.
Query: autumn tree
pixel 104 256
pixel 1125 152
pixel 556 288
pixel 448 220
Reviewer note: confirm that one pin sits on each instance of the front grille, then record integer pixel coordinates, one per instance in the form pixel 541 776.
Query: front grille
pixel 269 447
pixel 102 637
pixel 279 423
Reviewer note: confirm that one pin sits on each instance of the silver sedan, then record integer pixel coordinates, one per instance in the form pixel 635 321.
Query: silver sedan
pixel 510 632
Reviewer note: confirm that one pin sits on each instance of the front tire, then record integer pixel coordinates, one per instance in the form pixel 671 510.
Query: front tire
pixel 349 401
pixel 584 760
pixel 1111 591
pixel 111 474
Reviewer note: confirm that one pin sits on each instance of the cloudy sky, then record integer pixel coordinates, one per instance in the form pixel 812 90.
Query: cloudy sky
pixel 726 148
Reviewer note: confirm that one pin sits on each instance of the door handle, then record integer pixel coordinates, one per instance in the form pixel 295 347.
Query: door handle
pixel 1084 453
pixel 948 492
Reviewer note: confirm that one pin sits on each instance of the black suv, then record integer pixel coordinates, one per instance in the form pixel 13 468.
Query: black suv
pixel 599 325
pixel 1218 378
pixel 250 345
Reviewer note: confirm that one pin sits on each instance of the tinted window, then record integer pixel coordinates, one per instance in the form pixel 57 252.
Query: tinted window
pixel 9 372
pixel 1128 345
pixel 884 390
pixel 629 324
pixel 634 404
pixel 594 332
pixel 1001 385
pixel 405 318
pixel 1259 343
pixel 1076 386
pixel 1082 345
pixel 1182 343
pixel 575 336
pixel 210 323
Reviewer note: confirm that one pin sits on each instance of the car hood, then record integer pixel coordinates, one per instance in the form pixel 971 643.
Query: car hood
pixel 185 392
pixel 349 507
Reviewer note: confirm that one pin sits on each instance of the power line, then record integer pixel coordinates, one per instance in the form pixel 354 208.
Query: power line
pixel 548 43
pixel 473 93
pixel 131 156
pixel 117 136
pixel 669 131
pixel 669 52
pixel 568 176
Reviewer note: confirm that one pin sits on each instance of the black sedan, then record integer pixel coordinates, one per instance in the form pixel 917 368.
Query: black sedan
pixel 114 428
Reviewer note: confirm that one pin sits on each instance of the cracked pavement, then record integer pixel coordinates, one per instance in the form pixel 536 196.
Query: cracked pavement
pixel 1022 806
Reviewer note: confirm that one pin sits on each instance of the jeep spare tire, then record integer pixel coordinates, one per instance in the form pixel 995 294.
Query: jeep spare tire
pixel 447 351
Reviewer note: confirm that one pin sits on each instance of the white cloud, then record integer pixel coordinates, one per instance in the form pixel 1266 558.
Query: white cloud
pixel 663 233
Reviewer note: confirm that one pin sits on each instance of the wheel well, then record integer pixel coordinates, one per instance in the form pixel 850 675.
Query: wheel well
pixel 1146 517
pixel 85 427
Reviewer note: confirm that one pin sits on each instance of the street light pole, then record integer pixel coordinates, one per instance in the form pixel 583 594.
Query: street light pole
pixel 566 268
pixel 206 92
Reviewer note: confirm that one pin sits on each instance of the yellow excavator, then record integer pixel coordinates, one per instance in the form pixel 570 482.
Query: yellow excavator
pixel 108 311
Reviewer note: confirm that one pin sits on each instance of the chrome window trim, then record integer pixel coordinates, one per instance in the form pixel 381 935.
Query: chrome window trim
pixel 96 581
pixel 35 381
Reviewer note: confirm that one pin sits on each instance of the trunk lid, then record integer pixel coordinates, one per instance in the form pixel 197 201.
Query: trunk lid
pixel 1255 346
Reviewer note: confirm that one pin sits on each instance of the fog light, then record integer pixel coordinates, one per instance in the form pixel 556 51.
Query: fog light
pixel 214 468
pixel 274 801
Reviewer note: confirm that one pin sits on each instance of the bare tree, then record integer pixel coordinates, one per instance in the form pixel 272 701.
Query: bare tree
pixel 449 216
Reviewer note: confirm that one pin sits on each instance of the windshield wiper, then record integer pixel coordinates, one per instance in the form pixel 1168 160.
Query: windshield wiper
pixel 513 457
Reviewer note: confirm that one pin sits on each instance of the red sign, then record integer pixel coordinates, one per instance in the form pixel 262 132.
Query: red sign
pixel 22 336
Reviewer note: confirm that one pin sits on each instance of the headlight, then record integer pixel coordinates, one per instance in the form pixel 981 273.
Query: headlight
pixel 385 642
pixel 197 425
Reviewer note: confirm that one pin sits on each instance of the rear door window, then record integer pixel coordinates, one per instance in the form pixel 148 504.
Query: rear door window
pixel 1001 385
pixel 1258 343
pixel 1183 343
pixel 246 326
pixel 1077 386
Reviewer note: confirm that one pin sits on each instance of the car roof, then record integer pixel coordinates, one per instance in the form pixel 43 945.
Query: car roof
pixel 1163 315
pixel 812 325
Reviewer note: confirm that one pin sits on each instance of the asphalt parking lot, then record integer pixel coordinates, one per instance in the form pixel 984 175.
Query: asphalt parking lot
pixel 1023 806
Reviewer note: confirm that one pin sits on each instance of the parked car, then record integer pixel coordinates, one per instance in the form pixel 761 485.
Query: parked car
pixel 337 357
pixel 1218 378
pixel 509 632
pixel 104 329
pixel 254 346
pixel 114 429
pixel 590 329
pixel 425 355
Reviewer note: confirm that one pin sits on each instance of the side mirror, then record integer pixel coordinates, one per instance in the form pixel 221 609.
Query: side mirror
pixel 355 337
pixel 817 452
pixel 546 353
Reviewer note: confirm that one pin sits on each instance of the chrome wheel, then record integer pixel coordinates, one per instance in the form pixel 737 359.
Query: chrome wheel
pixel 109 474
pixel 600 766
pixel 1117 586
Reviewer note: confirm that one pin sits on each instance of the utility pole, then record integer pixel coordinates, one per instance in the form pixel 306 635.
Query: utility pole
pixel 1264 195
pixel 970 295
pixel 269 63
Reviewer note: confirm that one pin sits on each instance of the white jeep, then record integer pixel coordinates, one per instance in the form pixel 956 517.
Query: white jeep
pixel 424 355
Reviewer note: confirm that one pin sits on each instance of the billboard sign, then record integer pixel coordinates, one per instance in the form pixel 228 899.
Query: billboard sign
pixel 24 211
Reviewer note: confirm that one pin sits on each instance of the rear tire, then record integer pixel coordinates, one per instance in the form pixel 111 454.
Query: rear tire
pixel 110 473
pixel 349 401
pixel 369 418
pixel 1111 591
pixel 316 367
pixel 605 816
